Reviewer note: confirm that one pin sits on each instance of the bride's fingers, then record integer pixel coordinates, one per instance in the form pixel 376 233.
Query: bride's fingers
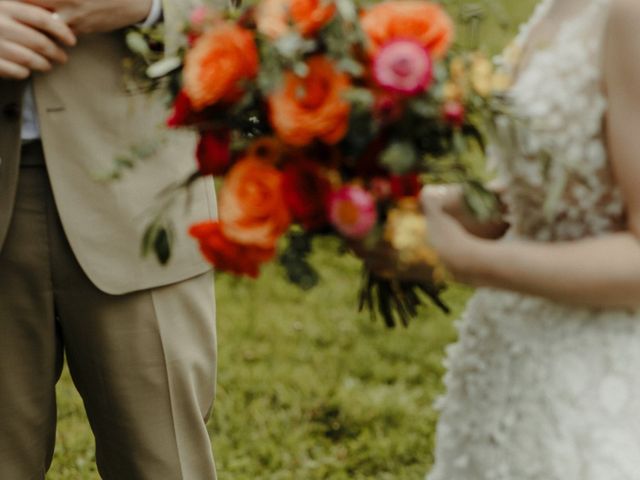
pixel 433 197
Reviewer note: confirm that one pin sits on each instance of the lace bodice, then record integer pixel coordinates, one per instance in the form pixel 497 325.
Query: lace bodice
pixel 550 148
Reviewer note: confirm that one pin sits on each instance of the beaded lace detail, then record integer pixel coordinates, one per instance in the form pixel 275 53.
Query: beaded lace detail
pixel 550 148
pixel 537 390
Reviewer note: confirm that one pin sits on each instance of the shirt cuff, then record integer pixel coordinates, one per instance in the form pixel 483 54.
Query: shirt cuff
pixel 155 15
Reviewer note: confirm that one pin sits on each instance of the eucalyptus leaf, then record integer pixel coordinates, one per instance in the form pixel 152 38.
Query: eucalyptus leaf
pixel 424 108
pixel 350 66
pixel 347 10
pixel 399 157
pixel 301 69
pixel 148 238
pixel 162 244
pixel 293 45
pixel 137 43
pixel 480 201
pixel 361 97
pixel 144 151
pixel 294 260
pixel 163 67
pixel 459 142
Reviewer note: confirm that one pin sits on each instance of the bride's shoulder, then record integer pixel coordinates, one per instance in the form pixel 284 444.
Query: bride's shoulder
pixel 623 22
pixel 624 12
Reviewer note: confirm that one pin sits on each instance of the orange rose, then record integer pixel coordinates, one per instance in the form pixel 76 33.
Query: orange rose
pixel 312 107
pixel 227 255
pixel 422 21
pixel 252 206
pixel 308 16
pixel 217 64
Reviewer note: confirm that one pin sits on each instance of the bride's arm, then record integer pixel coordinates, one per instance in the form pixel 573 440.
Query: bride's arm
pixel 599 272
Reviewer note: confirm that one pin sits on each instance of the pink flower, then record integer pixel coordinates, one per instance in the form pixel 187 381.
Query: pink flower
pixel 454 113
pixel 352 211
pixel 403 66
pixel 199 16
pixel 381 188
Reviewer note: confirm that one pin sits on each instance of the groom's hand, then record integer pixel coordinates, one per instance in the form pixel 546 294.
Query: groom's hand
pixel 95 16
pixel 30 39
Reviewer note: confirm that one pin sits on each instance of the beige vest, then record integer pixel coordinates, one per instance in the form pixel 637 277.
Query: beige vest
pixel 87 120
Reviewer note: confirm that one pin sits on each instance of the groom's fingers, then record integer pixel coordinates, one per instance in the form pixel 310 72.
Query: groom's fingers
pixel 12 70
pixel 23 56
pixel 42 20
pixel 33 39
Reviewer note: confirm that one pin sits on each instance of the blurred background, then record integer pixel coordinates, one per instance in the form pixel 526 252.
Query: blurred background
pixel 307 388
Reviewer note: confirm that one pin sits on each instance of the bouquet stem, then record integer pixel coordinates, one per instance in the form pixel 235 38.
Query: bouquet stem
pixel 396 300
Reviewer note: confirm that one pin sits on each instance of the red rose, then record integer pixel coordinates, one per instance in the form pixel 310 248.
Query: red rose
pixel 213 152
pixel 227 255
pixel 183 113
pixel 403 186
pixel 306 192
pixel 388 108
pixel 368 164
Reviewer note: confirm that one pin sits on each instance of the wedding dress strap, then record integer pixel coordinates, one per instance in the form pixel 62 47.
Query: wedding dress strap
pixel 540 12
pixel 516 58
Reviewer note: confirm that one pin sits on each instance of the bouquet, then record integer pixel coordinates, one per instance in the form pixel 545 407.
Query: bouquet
pixel 323 117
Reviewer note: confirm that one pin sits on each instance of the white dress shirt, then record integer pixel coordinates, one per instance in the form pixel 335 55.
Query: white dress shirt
pixel 30 127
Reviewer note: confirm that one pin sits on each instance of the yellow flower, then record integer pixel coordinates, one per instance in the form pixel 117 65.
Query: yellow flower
pixel 406 231
pixel 458 69
pixel 452 92
pixel 501 82
pixel 482 75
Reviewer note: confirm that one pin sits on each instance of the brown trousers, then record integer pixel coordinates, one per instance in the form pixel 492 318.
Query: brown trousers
pixel 144 363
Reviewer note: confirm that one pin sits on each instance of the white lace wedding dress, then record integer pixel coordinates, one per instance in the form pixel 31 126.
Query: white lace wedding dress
pixel 537 390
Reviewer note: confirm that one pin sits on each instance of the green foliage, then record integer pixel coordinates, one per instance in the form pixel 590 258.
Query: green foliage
pixel 294 259
pixel 399 157
pixel 128 161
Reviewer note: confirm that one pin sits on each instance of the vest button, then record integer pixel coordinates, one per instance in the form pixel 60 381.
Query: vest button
pixel 11 111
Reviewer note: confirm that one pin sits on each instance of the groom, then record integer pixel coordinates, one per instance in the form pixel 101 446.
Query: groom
pixel 139 338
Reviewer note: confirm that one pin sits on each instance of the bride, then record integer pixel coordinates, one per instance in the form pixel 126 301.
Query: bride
pixel 544 381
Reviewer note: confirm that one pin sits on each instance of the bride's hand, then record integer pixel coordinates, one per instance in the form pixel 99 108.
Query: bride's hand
pixel 451 198
pixel 454 245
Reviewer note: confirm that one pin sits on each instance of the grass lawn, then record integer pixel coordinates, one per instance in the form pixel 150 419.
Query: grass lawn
pixel 308 389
